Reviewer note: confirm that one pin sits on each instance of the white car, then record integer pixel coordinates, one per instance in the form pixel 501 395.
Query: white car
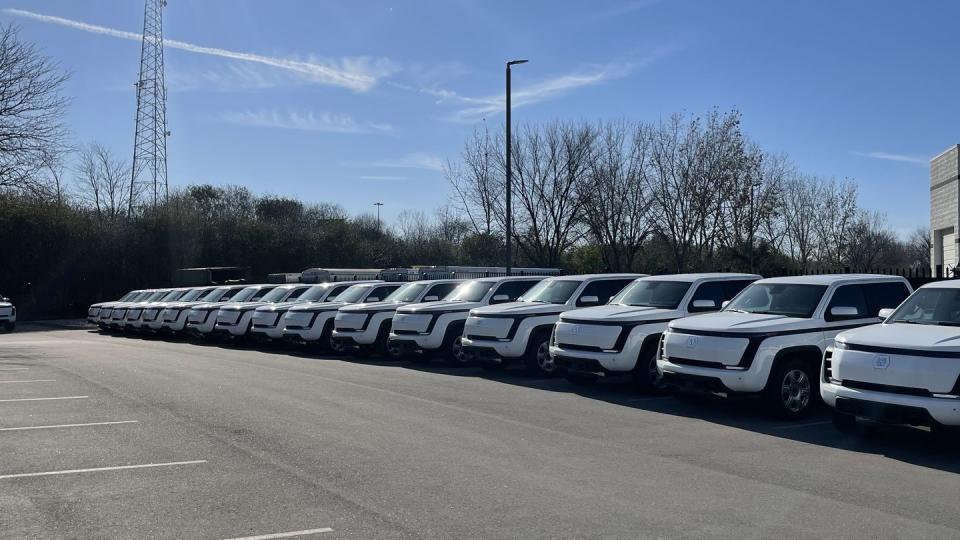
pixel 135 318
pixel 234 319
pixel 151 317
pixel 105 309
pixel 93 312
pixel 8 314
pixel 437 327
pixel 502 334
pixel 365 327
pixel 312 324
pixel 771 338
pixel 118 315
pixel 203 317
pixel 268 319
pixel 621 337
pixel 904 371
pixel 174 315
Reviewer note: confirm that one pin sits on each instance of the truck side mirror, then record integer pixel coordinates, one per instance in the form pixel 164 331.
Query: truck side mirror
pixel 703 304
pixel 499 299
pixel 372 299
pixel 844 311
pixel 431 298
pixel 885 313
pixel 588 301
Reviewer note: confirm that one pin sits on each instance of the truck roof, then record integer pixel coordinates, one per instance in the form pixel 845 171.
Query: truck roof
pixel 703 275
pixel 830 279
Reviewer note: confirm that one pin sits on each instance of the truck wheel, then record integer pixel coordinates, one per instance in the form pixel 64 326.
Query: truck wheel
pixel 582 379
pixel 453 351
pixel 845 423
pixel 537 360
pixel 792 389
pixel 646 377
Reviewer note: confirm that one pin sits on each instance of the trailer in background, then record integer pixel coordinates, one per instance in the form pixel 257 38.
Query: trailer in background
pixel 284 277
pixel 212 275
pixel 461 272
pixel 327 275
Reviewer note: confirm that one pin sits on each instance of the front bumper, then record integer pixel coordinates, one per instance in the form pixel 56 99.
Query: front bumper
pixel 308 331
pixel 203 324
pixel 891 408
pixel 493 348
pixel 234 329
pixel 365 335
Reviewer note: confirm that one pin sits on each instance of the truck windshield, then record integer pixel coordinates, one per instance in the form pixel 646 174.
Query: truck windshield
pixel 246 294
pixel 653 293
pixel 314 293
pixel 276 295
pixel 936 306
pixel 216 294
pixel 788 299
pixel 353 294
pixel 171 296
pixel 551 291
pixel 156 296
pixel 471 291
pixel 193 294
pixel 408 293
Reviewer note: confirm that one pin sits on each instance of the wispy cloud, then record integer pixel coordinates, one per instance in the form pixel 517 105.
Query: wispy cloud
pixel 903 158
pixel 414 160
pixel 472 109
pixel 304 121
pixel 355 73
pixel 622 9
pixel 383 178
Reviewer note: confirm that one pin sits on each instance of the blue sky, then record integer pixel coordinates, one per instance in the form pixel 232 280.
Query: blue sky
pixel 353 102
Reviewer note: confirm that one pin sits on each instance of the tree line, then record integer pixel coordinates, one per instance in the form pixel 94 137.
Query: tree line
pixel 681 195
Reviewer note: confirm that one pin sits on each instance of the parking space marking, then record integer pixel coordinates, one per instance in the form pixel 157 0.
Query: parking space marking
pixel 35 380
pixel 58 426
pixel 41 399
pixel 14 368
pixel 808 424
pixel 290 534
pixel 101 469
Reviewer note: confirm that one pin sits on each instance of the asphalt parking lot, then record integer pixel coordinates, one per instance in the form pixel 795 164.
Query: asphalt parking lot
pixel 122 437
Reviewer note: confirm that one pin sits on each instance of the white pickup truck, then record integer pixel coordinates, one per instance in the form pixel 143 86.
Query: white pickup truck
pixel 135 320
pixel 234 319
pixel 268 319
pixel 501 334
pixel 437 327
pixel 904 371
pixel 116 317
pixel 202 318
pixel 365 328
pixel 8 314
pixel 312 324
pixel 770 339
pixel 174 315
pixel 621 337
pixel 93 312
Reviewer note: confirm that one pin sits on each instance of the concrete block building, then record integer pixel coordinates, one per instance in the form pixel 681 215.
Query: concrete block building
pixel 945 211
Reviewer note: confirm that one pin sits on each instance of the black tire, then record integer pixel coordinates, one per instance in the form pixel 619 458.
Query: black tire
pixel 845 423
pixel 536 360
pixel 646 377
pixel 793 389
pixel 582 379
pixel 327 344
pixel 452 349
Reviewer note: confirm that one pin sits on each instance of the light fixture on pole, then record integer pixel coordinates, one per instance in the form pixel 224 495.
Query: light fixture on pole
pixel 509 205
pixel 378 205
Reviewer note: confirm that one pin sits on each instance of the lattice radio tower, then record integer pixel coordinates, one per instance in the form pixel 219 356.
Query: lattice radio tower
pixel 149 171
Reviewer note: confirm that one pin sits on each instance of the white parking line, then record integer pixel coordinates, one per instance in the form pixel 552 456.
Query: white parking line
pixel 41 399
pixel 57 426
pixel 101 469
pixel 35 380
pixel 290 534
pixel 808 424
pixel 14 368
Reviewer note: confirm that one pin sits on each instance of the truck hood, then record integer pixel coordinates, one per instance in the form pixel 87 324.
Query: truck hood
pixel 182 305
pixel 905 336
pixel 439 305
pixel 243 306
pixel 618 313
pixel 748 323
pixel 373 306
pixel 318 306
pixel 281 306
pixel 520 308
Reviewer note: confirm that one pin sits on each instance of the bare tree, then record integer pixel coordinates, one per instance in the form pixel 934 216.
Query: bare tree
pixel 32 133
pixel 836 213
pixel 871 243
pixel 918 248
pixel 103 182
pixel 801 197
pixel 477 181
pixel 614 195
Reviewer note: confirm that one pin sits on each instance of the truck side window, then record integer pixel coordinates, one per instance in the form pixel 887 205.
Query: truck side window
pixel 382 291
pixel 848 296
pixel 733 288
pixel 885 295
pixel 441 290
pixel 711 290
pixel 514 289
pixel 605 289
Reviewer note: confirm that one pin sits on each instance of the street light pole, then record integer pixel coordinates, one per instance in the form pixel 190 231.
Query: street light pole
pixel 509 217
pixel 378 205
